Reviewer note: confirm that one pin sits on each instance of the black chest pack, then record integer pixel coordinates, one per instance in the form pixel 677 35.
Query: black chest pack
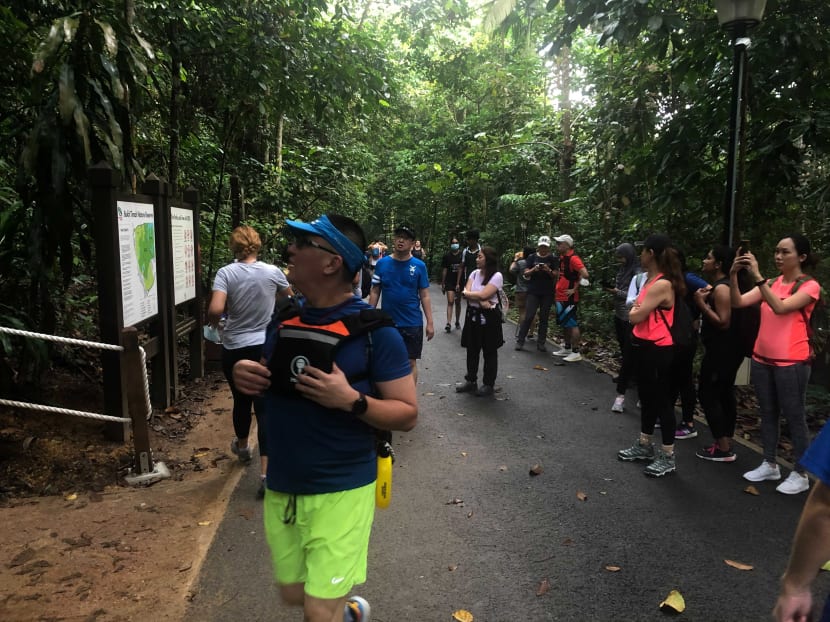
pixel 300 345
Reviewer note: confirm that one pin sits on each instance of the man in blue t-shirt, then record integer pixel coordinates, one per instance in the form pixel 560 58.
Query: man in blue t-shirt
pixel 320 496
pixel 403 281
pixel 811 546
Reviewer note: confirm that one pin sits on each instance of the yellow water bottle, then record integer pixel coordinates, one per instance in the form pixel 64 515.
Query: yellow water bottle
pixel 383 485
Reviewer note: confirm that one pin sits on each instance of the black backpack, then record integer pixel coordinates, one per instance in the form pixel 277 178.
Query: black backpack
pixel 682 330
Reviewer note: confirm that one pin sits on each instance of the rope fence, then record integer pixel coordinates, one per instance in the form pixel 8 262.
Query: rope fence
pixel 133 363
pixel 84 344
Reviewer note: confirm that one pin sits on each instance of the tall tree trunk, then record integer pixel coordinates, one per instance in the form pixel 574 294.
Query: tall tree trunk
pixel 566 156
pixel 175 108
pixel 278 148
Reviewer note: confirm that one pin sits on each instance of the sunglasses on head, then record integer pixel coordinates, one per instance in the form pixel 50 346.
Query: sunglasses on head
pixel 305 242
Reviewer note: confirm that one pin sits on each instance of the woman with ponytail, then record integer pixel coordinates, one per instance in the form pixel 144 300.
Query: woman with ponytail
pixel 653 351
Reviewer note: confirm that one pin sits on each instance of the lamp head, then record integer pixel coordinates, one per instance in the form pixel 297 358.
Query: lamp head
pixel 739 15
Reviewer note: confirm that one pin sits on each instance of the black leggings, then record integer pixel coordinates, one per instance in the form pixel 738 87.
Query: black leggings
pixel 653 365
pixel 623 330
pixel 716 389
pixel 241 402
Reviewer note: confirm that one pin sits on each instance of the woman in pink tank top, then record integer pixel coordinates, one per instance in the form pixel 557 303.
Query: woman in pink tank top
pixel 652 352
pixel 781 356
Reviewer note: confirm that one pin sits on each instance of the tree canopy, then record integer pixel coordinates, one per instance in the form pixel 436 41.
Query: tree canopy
pixel 602 119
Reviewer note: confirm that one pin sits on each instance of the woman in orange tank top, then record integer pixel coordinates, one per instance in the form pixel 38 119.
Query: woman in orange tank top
pixel 781 356
pixel 652 347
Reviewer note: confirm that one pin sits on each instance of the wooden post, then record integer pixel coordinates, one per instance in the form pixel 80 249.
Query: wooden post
pixel 104 183
pixel 163 384
pixel 136 400
pixel 196 340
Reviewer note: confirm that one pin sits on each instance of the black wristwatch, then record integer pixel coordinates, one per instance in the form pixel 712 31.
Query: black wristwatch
pixel 360 406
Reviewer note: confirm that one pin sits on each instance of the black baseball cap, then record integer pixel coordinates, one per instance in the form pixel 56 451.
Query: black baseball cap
pixel 405 230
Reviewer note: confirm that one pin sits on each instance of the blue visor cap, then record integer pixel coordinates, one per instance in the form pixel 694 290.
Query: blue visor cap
pixel 352 256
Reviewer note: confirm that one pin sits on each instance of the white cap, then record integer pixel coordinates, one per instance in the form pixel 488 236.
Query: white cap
pixel 565 238
pixel 544 241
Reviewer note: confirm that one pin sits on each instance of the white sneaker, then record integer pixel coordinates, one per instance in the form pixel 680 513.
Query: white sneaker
pixel 618 406
pixel 764 472
pixel 794 484
pixel 573 357
pixel 562 352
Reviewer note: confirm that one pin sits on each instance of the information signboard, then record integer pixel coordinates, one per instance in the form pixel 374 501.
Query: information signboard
pixel 137 250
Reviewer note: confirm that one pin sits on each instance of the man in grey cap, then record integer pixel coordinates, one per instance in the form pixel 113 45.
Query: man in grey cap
pixel 571 272
pixel 540 276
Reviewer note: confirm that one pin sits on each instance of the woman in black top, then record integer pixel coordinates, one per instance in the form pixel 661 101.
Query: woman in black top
pixel 722 357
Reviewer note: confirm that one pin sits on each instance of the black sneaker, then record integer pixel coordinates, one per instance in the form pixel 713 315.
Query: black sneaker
pixel 458 325
pixel 448 328
pixel 519 345
pixel 541 347
pixel 713 453
pixel 467 387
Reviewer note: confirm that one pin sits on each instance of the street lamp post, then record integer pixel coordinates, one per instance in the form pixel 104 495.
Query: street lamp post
pixel 737 17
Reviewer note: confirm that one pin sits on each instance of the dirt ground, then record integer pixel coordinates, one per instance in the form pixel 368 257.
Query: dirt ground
pixel 77 543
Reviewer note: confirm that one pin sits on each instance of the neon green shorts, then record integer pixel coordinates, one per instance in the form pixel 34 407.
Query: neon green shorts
pixel 326 545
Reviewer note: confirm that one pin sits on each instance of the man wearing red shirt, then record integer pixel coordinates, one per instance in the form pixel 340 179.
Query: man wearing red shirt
pixel 571 272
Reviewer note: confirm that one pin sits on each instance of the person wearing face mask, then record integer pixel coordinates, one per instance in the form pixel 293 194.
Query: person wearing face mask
pixel 450 266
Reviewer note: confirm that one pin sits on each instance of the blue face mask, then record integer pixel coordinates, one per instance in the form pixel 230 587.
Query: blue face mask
pixel 455 247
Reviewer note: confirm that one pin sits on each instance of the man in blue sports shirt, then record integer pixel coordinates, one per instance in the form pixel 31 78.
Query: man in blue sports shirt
pixel 403 282
pixel 320 497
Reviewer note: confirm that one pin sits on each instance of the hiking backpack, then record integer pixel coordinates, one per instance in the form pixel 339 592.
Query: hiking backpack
pixel 818 323
pixel 682 329
pixel 301 345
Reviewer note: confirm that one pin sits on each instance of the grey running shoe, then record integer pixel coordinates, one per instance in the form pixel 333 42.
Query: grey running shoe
pixel 243 453
pixel 485 390
pixel 636 452
pixel 663 464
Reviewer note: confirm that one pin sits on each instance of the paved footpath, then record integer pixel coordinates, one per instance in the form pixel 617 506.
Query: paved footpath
pixel 470 528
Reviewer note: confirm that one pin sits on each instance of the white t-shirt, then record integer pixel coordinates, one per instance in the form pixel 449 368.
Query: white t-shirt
pixel 476 286
pixel 251 289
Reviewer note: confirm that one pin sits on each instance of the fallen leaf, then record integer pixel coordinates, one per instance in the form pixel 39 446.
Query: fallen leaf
pixel 544 587
pixel 463 454
pixel 462 615
pixel 204 523
pixel 567 542
pixel 511 377
pixel 452 567
pixel 171 410
pixel 71 496
pixel 738 565
pixel 470 514
pixel 503 468
pixel 454 501
pixel 751 490
pixel 201 454
pixel 460 414
pixel 540 368
pixel 185 568
pixel 613 568
pixel 429 393
pixel 581 496
pixel 674 602
pixel 536 469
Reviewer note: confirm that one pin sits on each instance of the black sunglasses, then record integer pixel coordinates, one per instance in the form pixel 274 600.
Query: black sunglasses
pixel 304 242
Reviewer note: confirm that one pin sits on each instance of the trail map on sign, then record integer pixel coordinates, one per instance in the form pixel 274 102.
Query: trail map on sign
pixel 137 248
